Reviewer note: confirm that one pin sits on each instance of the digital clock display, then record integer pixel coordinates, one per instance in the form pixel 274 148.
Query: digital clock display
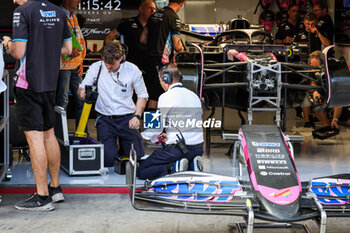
pixel 96 5
pixel 98 17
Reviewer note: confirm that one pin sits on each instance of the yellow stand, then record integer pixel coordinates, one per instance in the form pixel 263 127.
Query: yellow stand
pixel 80 133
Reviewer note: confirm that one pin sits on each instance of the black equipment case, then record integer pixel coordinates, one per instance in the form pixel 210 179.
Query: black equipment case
pixel 79 156
pixel 325 132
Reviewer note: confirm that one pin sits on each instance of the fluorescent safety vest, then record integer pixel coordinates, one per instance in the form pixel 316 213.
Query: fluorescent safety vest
pixel 73 63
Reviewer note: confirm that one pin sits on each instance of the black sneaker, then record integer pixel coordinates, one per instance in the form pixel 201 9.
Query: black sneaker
pixel 56 194
pixel 34 202
pixel 309 124
pixel 299 112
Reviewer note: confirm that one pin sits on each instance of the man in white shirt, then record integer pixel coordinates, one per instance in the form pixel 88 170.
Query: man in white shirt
pixel 118 116
pixel 180 109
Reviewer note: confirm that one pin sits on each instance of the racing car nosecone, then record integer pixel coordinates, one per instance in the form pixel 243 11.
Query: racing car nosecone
pixel 276 187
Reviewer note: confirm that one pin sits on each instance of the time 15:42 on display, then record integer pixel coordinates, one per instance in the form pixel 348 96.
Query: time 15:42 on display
pixel 100 5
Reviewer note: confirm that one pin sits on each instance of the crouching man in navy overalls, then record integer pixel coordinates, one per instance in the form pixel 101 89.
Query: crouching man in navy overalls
pixel 181 136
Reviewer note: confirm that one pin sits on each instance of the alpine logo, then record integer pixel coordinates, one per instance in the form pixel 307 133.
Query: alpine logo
pixel 48 14
pixel 285 193
pixel 265 144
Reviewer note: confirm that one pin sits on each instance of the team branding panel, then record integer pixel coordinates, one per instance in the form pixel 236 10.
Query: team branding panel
pixel 270 159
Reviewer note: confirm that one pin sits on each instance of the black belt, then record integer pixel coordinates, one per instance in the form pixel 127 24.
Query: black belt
pixel 192 147
pixel 118 116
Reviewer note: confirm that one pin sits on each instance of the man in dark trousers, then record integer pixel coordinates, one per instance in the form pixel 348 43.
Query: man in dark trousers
pixel 40 36
pixel 162 37
pixel 118 116
pixel 176 105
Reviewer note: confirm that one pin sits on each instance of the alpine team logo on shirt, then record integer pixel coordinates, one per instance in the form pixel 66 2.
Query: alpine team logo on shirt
pixel 48 14
pixel 156 17
pixel 178 23
pixel 157 14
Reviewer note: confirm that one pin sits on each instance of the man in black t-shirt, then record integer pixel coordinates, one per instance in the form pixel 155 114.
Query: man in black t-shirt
pixel 40 35
pixel 325 24
pixel 162 37
pixel 130 31
pixel 311 35
pixel 287 30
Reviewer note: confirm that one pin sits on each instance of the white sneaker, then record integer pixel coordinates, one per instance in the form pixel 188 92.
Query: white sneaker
pixel 180 165
pixel 197 164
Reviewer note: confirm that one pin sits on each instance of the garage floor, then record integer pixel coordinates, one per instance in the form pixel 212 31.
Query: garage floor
pixel 113 212
pixel 313 157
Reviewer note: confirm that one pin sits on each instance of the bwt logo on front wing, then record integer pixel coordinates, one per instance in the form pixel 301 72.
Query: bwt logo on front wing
pixel 265 144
